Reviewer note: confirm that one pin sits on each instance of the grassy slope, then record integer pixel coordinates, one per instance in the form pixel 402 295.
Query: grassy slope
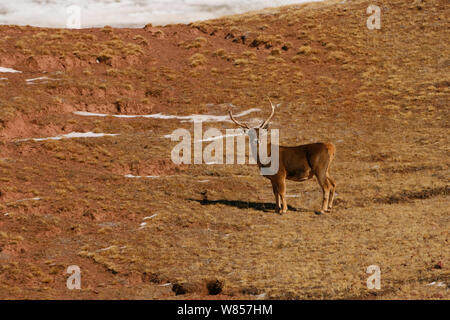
pixel 380 95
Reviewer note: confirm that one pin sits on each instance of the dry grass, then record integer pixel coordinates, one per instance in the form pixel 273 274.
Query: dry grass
pixel 381 97
pixel 197 59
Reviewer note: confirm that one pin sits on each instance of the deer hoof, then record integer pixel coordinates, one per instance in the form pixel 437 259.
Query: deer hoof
pixel 319 212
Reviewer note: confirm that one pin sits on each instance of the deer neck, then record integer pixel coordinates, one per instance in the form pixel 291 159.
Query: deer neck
pixel 255 153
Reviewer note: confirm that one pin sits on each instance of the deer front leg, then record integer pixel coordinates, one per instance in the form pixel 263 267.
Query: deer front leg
pixel 277 196
pixel 326 188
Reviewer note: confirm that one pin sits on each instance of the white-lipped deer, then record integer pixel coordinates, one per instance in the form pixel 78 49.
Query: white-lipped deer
pixel 298 163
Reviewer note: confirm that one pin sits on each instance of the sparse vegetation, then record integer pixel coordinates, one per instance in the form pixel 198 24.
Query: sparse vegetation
pixel 197 59
pixel 381 96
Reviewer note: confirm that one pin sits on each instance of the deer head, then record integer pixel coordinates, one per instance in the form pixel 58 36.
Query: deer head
pixel 255 132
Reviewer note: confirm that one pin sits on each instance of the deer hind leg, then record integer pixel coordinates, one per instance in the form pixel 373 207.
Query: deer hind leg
pixel 277 196
pixel 333 188
pixel 326 188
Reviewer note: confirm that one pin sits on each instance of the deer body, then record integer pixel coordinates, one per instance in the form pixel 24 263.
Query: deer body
pixel 302 163
pixel 298 163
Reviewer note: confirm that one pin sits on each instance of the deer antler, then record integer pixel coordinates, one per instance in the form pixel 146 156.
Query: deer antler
pixel 235 121
pixel 266 123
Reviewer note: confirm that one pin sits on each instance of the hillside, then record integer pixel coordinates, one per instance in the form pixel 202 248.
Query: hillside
pixel 381 96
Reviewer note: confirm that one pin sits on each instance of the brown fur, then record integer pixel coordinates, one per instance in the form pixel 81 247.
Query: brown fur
pixel 299 163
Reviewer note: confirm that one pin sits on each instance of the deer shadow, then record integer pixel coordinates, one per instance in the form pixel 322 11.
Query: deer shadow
pixel 261 206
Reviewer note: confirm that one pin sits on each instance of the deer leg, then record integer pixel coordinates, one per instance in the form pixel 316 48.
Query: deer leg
pixel 282 192
pixel 277 196
pixel 333 188
pixel 326 187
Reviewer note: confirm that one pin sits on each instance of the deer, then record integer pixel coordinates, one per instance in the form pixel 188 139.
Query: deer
pixel 296 163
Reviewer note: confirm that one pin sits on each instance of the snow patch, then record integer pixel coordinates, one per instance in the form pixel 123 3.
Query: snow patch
pixel 220 137
pixel 71 136
pixel 152 216
pixel 165 284
pixel 31 81
pixel 437 284
pixel 126 13
pixel 191 118
pixel 8 70
pixel 132 176
pixel 27 199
